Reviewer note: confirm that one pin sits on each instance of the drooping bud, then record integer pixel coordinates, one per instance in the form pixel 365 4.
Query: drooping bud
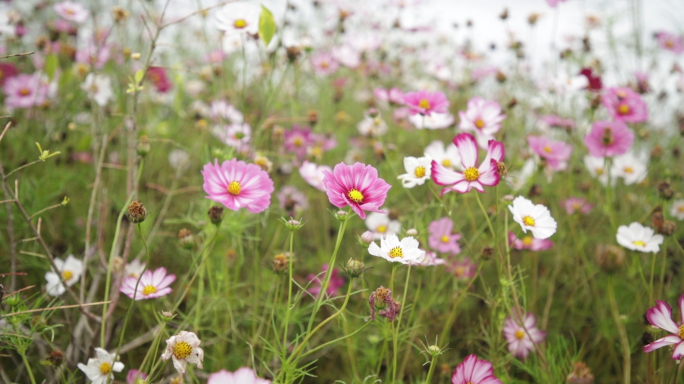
pixel 355 268
pixel 215 214
pixel 186 238
pixel 136 212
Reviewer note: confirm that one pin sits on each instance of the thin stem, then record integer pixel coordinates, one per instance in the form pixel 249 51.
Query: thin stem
pixel 28 367
pixel 621 331
pixel 336 340
pixel 433 362
pixel 289 291
pixel 22 167
pixel 396 329
pixel 650 287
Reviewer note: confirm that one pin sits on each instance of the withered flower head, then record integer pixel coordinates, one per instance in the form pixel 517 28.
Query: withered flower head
pixel 136 212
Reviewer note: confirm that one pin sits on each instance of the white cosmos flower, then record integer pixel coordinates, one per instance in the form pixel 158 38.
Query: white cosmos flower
pixel 183 348
pixel 597 168
pixel 417 171
pixel 372 126
pixel 69 271
pixel 99 88
pixel 433 121
pixel 381 224
pixel 631 168
pixel 447 156
pixel 101 369
pixel 179 159
pixel 221 110
pixel 639 238
pixel 533 217
pixel 518 179
pixel 239 18
pixel 678 209
pixel 313 174
pixel 346 55
pixel 391 249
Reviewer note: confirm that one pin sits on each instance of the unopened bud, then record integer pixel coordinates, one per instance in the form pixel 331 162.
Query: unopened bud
pixel 509 197
pixel 136 212
pixel 367 237
pixel 167 316
pixel 119 14
pixel 135 55
pixel 434 350
pixel 293 53
pixel 117 264
pixel 412 232
pixel 143 147
pixel 215 214
pixel 341 215
pixel 487 252
pixel 372 112
pixel 312 115
pixel 186 238
pixel 665 190
pixel 355 268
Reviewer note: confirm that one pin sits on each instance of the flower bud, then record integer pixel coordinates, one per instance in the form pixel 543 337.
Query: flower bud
pixel 215 215
pixel 434 350
pixel 56 358
pixel 293 53
pixel 292 224
pixel 367 237
pixel 609 257
pixel 264 163
pixel 487 252
pixel 119 14
pixel 186 238
pixel 665 190
pixel 136 212
pixel 341 215
pixel 135 55
pixel 355 268
pixel 12 301
pixel 117 264
pixel 167 316
pixel 312 115
pixel 143 146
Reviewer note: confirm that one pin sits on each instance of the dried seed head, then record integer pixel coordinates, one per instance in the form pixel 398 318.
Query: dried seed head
pixel 186 238
pixel 215 214
pixel 580 374
pixel 280 262
pixel 56 358
pixel 665 190
pixel 609 257
pixel 119 14
pixel 136 212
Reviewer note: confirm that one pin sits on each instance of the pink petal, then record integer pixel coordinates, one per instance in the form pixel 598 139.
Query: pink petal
pixel 467 148
pixel 667 340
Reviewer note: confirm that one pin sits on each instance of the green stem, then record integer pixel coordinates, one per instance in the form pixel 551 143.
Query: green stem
pixel 621 331
pixel 28 368
pixel 289 291
pixel 336 340
pixel 650 287
pixel 432 369
pixel 396 329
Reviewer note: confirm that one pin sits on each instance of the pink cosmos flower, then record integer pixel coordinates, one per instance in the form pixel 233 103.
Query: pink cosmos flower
pixel 215 57
pixel 400 114
pixel 595 83
pixel 237 184
pixel 670 42
pixel 554 121
pixel 356 185
pixel 463 269
pixel 134 374
pixel 25 91
pixel 623 104
pixel 472 177
pixel 336 282
pixel 441 239
pixel 661 316
pixel 324 64
pixel 297 140
pixel 474 371
pixel 556 153
pixel 577 204
pixel 394 95
pixel 482 118
pixel 529 243
pixel 554 3
pixel 93 54
pixel 151 286
pixel 320 143
pixel 522 338
pixel 243 375
pixel 7 70
pixel 382 301
pixel 158 77
pixel 431 260
pixel 426 102
pixel 608 139
pixel 313 174
pixel 72 11
pixel 292 200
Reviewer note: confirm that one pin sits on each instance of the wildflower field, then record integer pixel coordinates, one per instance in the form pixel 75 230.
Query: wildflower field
pixel 329 191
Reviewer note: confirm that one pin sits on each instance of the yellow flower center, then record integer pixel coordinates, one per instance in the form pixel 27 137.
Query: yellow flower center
pixel 599 171
pixel 424 104
pixel 105 368
pixel 519 334
pixel 623 109
pixel 355 195
pixel 479 123
pixel 149 289
pixel 298 142
pixel 420 171
pixel 681 331
pixel 381 229
pixel 528 221
pixel 669 44
pixel 324 64
pixel 639 243
pixel 547 149
pixel 680 208
pixel 70 11
pixel 240 23
pixel 317 152
pixel 446 163
pixel 445 239
pixel 182 350
pixel 628 170
pixel 459 271
pixel 234 188
pixel 66 275
pixel 396 252
pixel 471 174
pixel 527 240
pixel 24 91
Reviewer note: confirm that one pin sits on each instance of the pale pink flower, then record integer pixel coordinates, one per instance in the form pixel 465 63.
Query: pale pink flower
pixel 482 118
pixel 555 121
pixel 625 105
pixel 336 282
pixel 237 184
pixel 670 42
pixel 463 269
pixel 556 153
pixel 522 335
pixel 72 11
pixel 243 375
pixel 313 174
pixel 297 140
pixel 441 238
pixel 292 200
pixel 529 243
pixel 134 374
pixel 474 371
pixel 661 316
pixel 393 95
pixel 346 55
pixel 426 102
pixel 25 91
pixel 608 139
pixel 93 54
pixel 357 186
pixel 473 177
pixel 577 204
pixel 236 135
pixel 324 63
pixel 151 286
pixel 431 260
pixel 554 3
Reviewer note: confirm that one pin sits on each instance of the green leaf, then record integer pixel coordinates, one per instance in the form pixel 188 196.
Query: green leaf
pixel 51 64
pixel 267 25
pixel 138 76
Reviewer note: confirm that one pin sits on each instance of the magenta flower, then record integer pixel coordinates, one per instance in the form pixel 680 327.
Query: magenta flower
pixel 237 184
pixel 243 375
pixel 159 79
pixel 474 371
pixel 324 64
pixel 661 316
pixel 473 177
pixel 577 204
pixel 394 95
pixel 463 269
pixel 382 301
pixel 297 140
pixel 292 200
pixel 556 153
pixel 336 282
pixel 522 338
pixel 151 286
pixel 623 104
pixel 134 374
pixel 482 118
pixel 441 239
pixel 426 102
pixel 72 11
pixel 25 91
pixel 608 139
pixel 595 83
pixel 357 186
pixel 529 243
pixel 7 70
pixel 670 42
